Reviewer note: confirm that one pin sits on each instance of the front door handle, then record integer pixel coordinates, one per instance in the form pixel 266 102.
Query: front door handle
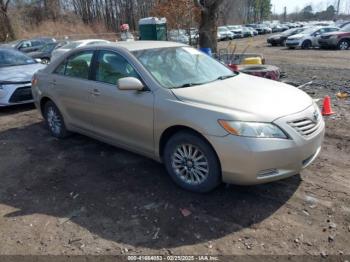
pixel 53 83
pixel 95 92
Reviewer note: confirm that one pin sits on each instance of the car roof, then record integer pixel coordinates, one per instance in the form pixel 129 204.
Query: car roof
pixel 89 40
pixel 142 45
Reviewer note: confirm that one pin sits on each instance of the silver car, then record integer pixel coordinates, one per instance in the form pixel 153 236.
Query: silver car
pixel 177 105
pixel 16 72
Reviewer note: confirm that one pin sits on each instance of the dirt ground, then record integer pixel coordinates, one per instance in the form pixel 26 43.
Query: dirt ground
pixel 79 196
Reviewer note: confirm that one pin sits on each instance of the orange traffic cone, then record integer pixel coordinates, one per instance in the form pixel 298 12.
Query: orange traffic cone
pixel 327 107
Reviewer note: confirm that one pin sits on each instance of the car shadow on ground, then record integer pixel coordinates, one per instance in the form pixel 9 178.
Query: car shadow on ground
pixel 121 196
pixel 15 109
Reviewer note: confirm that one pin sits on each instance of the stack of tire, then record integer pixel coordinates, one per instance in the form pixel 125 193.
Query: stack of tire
pixel 265 71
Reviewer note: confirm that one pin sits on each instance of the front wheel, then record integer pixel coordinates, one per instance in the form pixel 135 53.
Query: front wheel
pixel 45 61
pixel 343 45
pixel 54 120
pixel 192 163
pixel 306 44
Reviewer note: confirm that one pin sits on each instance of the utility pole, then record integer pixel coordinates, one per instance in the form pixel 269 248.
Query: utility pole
pixel 285 14
pixel 338 7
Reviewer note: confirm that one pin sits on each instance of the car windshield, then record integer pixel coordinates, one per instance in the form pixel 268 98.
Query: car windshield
pixel 311 30
pixel 48 47
pixel 71 45
pixel 14 58
pixel 13 43
pixel 346 28
pixel 182 66
pixel 289 32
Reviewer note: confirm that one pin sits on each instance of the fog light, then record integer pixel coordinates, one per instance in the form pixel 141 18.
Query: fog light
pixel 267 173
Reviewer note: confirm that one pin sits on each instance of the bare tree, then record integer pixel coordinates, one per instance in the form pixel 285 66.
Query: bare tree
pixel 208 23
pixel 6 30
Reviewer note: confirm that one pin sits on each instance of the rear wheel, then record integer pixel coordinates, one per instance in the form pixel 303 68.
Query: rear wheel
pixel 54 120
pixel 192 163
pixel 343 45
pixel 306 44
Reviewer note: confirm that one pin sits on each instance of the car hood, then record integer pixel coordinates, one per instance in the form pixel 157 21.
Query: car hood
pixel 35 54
pixel 22 73
pixel 275 36
pixel 6 46
pixel 296 36
pixel 247 98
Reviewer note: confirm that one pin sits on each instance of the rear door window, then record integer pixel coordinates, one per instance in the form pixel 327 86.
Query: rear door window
pixel 77 65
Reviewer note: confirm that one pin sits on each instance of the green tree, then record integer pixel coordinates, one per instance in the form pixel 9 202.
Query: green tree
pixel 307 12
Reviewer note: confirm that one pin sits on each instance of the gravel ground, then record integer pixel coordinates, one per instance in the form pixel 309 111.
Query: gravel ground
pixel 80 196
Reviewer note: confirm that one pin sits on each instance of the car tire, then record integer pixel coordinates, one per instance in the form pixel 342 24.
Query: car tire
pixel 54 120
pixel 344 45
pixel 306 44
pixel 45 61
pixel 192 163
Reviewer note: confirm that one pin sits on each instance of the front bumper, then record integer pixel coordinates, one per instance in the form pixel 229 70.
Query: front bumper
pixel 15 94
pixel 274 41
pixel 249 161
pixel 293 43
pixel 328 42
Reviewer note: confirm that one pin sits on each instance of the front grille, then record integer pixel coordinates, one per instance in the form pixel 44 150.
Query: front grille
pixel 305 126
pixel 21 94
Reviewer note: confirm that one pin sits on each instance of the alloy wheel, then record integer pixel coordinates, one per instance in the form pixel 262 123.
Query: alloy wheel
pixel 54 121
pixel 343 45
pixel 190 164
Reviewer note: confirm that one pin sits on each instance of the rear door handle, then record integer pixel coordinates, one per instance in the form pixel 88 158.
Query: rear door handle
pixel 95 92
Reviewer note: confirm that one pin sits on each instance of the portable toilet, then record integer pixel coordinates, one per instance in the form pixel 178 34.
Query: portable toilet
pixel 153 28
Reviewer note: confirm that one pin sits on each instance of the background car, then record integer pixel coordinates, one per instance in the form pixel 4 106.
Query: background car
pixel 179 36
pixel 75 44
pixel 46 51
pixel 30 45
pixel 247 32
pixel 237 30
pixel 280 39
pixel 257 28
pixel 309 37
pixel 16 71
pixel 266 29
pixel 339 39
pixel 225 34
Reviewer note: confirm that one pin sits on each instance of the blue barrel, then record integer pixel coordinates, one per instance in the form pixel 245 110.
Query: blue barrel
pixel 206 50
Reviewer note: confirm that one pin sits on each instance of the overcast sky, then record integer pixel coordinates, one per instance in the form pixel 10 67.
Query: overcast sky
pixel 318 5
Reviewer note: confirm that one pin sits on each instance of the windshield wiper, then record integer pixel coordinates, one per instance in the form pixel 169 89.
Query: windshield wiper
pixel 189 85
pixel 198 84
pixel 225 77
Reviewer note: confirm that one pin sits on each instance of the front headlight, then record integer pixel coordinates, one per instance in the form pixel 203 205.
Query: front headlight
pixel 253 129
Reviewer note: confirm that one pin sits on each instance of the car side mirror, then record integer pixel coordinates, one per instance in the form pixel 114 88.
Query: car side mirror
pixel 130 83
